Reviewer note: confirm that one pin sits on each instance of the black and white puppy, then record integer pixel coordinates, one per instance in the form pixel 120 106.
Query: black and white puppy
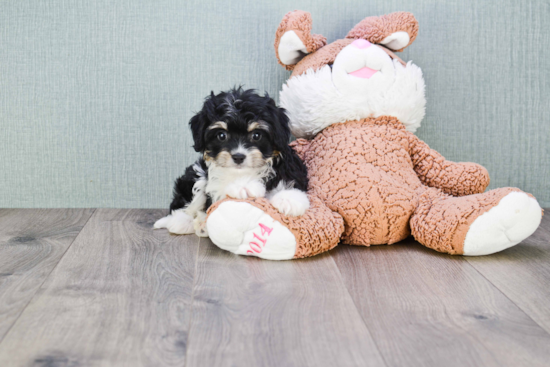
pixel 243 138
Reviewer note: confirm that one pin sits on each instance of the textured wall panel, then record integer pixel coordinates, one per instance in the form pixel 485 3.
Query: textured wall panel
pixel 95 95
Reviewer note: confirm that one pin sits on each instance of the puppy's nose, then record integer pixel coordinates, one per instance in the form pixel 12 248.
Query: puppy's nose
pixel 238 157
pixel 361 43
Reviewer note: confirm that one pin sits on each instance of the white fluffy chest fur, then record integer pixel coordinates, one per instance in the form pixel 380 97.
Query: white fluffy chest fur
pixel 222 180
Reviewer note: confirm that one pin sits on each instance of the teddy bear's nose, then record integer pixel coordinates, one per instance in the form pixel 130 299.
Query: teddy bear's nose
pixel 361 43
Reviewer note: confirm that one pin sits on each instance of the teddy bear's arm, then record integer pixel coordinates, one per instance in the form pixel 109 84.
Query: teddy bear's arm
pixel 457 179
pixel 301 146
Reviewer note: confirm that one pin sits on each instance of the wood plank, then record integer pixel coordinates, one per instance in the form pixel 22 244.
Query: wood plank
pixel 119 297
pixel 253 312
pixel 32 241
pixel 429 309
pixel 522 273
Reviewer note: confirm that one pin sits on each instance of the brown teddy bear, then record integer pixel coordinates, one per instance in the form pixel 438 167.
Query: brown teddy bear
pixel 354 106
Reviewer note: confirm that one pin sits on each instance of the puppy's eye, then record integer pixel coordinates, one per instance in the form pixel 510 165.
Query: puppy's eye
pixel 256 136
pixel 222 136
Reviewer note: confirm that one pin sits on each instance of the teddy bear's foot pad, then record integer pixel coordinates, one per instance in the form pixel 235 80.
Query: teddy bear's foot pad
pixel 512 220
pixel 244 229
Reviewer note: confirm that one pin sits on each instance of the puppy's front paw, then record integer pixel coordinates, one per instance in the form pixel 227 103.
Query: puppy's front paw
pixel 245 190
pixel 177 223
pixel 291 202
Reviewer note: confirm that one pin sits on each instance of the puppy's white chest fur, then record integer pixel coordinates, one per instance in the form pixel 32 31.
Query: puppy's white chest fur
pixel 237 183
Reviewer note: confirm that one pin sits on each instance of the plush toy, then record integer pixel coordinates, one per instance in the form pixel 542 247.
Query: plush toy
pixel 354 106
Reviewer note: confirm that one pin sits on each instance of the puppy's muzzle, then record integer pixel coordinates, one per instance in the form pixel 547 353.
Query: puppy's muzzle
pixel 238 158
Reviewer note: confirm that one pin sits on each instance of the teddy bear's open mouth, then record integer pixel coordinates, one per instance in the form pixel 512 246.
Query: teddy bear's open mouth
pixel 365 73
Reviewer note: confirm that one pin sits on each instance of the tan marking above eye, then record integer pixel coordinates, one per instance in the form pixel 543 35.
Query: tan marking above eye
pixel 258 125
pixel 218 125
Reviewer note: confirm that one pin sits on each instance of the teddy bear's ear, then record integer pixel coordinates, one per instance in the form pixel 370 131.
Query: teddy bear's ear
pixel 293 40
pixel 395 31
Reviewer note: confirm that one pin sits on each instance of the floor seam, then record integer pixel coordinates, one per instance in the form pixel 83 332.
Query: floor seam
pixel 506 296
pixel 47 277
pixel 192 302
pixel 357 309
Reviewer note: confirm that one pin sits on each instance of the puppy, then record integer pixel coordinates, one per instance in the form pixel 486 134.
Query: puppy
pixel 243 138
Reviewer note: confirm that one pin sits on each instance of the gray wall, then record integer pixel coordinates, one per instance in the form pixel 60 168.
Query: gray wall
pixel 95 95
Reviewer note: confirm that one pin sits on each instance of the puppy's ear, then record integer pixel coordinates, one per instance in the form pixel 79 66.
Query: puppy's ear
pixel 293 39
pixel 198 124
pixel 395 31
pixel 281 130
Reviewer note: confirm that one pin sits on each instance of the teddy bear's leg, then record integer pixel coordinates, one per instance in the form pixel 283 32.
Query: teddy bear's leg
pixel 474 225
pixel 253 227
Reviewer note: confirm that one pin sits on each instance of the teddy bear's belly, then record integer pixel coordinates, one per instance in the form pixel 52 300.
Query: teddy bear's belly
pixel 376 197
pixel 376 206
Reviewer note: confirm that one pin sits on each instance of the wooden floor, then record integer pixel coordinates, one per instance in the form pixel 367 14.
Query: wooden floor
pixel 84 287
